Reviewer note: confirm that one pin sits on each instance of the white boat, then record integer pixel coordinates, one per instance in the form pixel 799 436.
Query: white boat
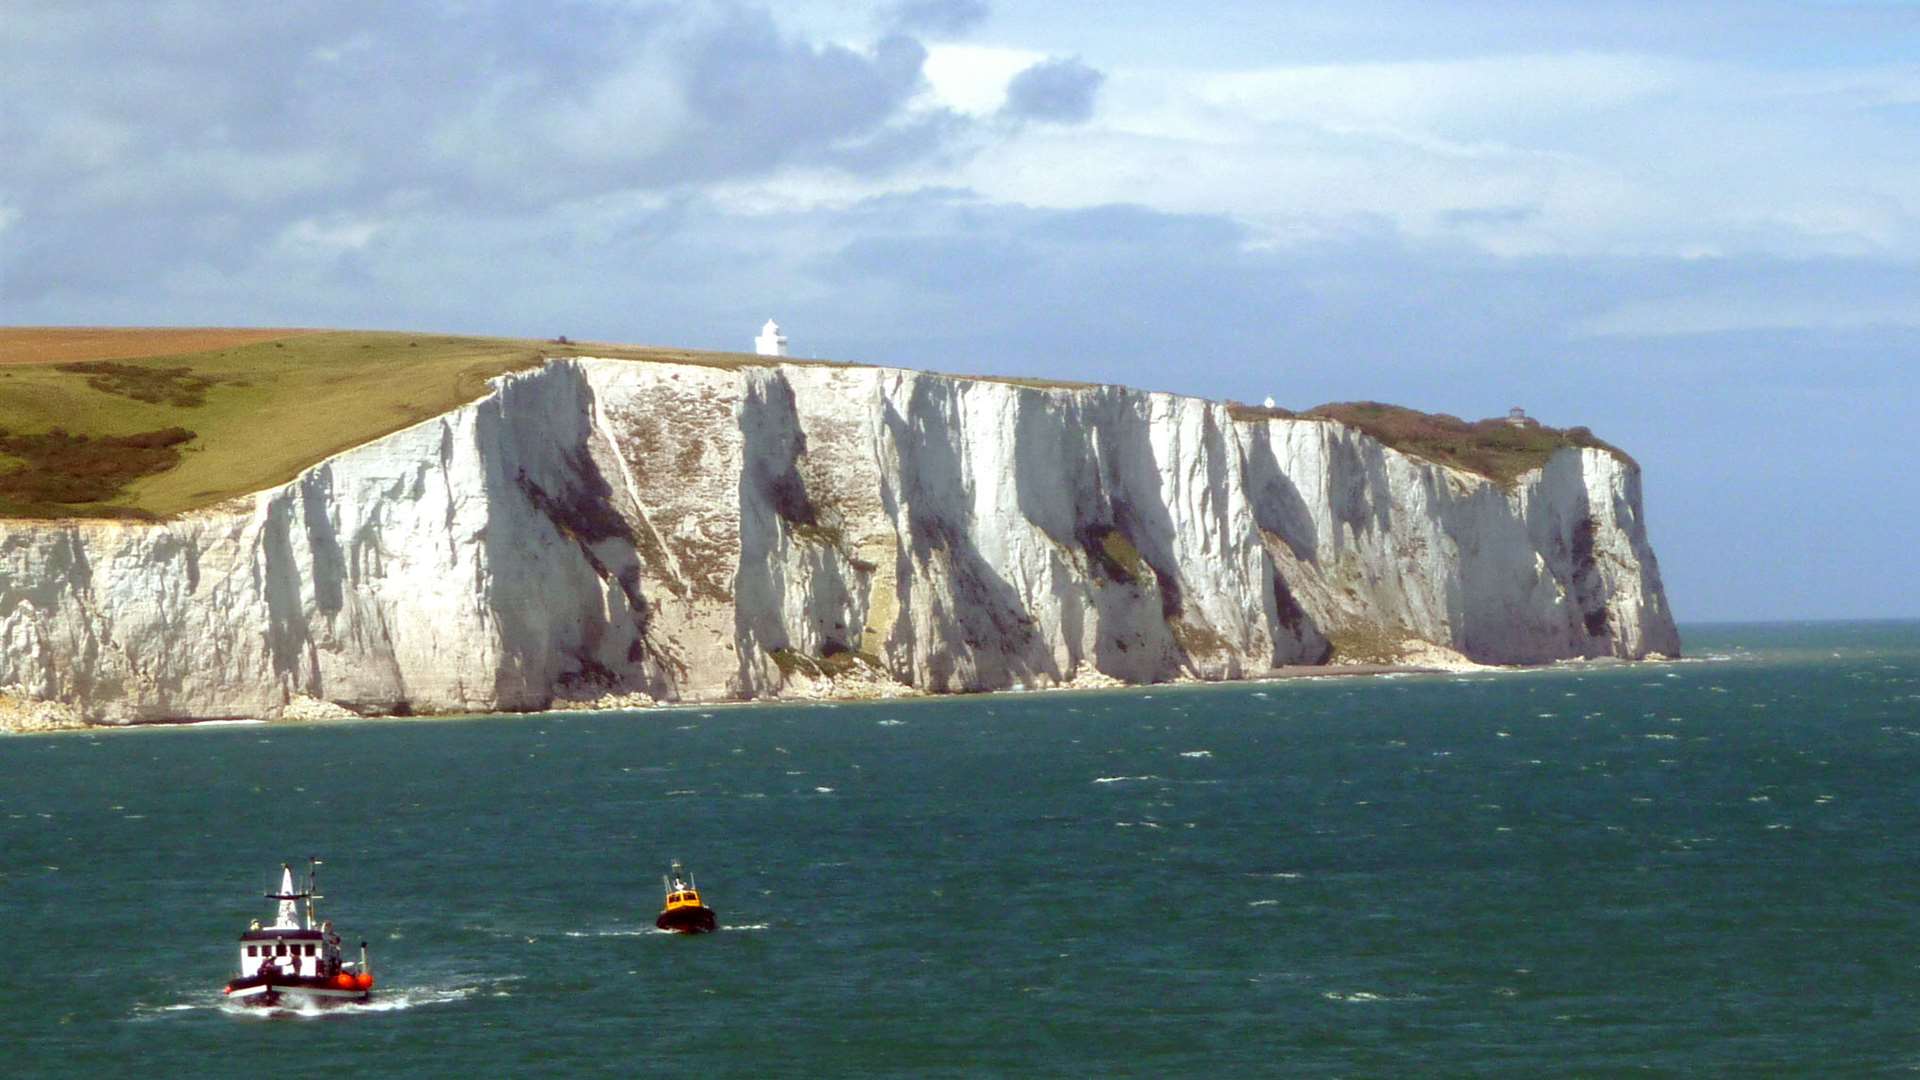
pixel 296 961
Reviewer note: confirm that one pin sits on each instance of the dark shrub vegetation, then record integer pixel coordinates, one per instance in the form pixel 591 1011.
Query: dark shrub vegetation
pixel 144 382
pixel 60 474
pixel 1496 449
pixel 1245 413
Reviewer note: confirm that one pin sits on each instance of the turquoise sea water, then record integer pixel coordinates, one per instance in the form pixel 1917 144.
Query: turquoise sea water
pixel 1705 867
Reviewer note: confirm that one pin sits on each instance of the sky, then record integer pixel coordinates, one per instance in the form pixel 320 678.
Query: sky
pixel 1694 228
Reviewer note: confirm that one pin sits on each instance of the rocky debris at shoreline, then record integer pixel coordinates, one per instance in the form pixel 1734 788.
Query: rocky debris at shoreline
pixel 304 707
pixel 603 703
pixel 20 715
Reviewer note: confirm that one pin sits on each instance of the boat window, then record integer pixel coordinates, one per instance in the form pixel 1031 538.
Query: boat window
pixel 309 950
pixel 253 950
pixel 280 949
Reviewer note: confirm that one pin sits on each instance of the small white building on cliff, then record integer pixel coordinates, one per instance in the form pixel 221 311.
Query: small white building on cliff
pixel 771 341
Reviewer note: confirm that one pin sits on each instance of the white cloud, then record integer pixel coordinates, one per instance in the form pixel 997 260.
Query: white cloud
pixel 972 79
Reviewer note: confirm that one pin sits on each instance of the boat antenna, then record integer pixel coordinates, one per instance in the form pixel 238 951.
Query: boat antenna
pixel 313 888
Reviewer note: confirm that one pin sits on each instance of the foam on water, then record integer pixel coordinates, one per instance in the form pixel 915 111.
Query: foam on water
pixel 383 1001
pixel 389 1000
pixel 1368 996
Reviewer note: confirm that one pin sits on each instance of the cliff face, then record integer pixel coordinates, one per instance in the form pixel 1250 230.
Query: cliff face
pixel 690 533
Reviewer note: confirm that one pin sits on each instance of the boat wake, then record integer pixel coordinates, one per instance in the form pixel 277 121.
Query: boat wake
pixel 394 1000
pixel 654 931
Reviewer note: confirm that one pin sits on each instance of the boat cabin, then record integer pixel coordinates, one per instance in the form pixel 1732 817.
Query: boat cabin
pixel 291 946
pixel 684 897
pixel 293 951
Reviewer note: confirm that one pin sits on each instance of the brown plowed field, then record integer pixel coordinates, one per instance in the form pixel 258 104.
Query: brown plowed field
pixel 63 344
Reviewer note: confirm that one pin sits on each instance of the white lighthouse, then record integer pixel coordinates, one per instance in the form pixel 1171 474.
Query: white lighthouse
pixel 771 341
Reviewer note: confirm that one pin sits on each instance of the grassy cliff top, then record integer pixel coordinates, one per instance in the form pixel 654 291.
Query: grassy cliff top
pixel 147 423
pixel 1497 449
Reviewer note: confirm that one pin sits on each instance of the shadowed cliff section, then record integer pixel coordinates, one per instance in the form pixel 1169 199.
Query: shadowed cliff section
pixel 566 577
pixel 794 590
pixel 951 592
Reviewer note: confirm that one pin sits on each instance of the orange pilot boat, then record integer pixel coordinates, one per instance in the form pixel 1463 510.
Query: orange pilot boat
pixel 684 913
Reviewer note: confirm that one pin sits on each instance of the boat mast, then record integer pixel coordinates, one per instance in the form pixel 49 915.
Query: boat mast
pixel 287 917
pixel 313 890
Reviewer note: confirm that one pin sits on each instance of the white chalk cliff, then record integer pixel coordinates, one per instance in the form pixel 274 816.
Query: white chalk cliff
pixel 690 533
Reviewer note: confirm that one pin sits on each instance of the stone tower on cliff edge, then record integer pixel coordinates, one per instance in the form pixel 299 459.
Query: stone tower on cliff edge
pixel 771 341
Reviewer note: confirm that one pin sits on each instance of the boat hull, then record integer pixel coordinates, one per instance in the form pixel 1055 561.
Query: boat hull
pixel 292 992
pixel 688 920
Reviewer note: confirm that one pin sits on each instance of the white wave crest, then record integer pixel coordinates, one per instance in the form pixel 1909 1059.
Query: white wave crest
pixel 393 1000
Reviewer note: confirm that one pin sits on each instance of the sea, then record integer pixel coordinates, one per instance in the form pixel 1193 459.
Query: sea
pixel 1707 867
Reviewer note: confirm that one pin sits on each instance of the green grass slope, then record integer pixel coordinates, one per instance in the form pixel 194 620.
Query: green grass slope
pixel 154 436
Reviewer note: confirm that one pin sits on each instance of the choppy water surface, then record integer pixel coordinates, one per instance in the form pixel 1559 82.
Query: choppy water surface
pixel 1708 867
